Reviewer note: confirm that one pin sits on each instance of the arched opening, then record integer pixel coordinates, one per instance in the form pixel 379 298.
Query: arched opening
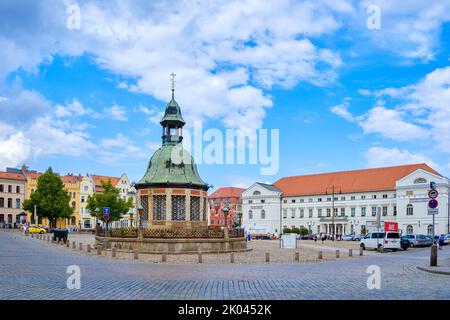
pixel 409 229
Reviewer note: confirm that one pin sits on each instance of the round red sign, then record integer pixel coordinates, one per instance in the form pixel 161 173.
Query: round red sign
pixel 432 204
pixel 433 194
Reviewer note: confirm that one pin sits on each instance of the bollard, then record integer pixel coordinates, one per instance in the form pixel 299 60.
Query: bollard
pixel 113 252
pixel 267 257
pixel 200 260
pixel 68 243
pixel 32 236
pixel 48 238
pixel 350 252
pixel 81 246
pixel 135 254
pixel 164 257
pixel 74 245
pixel 433 257
pixel 320 255
pixel 338 254
pixel 88 248
pixel 361 251
pixel 232 257
pixel 297 256
pixel 99 250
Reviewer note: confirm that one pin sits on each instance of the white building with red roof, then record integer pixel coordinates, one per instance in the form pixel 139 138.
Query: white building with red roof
pixel 397 194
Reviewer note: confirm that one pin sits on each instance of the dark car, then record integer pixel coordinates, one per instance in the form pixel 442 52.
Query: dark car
pixel 404 243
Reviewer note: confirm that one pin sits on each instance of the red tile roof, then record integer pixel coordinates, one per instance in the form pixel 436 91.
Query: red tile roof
pixel 12 176
pixel 70 178
pixel 99 179
pixel 227 192
pixel 375 179
pixel 33 175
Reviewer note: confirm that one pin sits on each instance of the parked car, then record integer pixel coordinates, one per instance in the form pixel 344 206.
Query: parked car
pixel 36 229
pixel 447 239
pixel 404 243
pixel 348 237
pixel 386 240
pixel 358 237
pixel 419 240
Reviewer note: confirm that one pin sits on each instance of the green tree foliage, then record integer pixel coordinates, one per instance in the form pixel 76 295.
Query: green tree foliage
pixel 50 198
pixel 110 198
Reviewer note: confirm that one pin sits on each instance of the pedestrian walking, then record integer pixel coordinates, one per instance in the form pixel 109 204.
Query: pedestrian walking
pixel 441 241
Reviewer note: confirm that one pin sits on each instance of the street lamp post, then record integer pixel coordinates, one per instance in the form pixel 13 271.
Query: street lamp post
pixel 140 210
pixel 225 211
pixel 97 210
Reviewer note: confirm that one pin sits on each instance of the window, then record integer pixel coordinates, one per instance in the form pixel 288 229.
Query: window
pixel 302 213
pixel 342 198
pixel 352 198
pixel 430 229
pixel 263 201
pixel 328 212
pixel 409 229
pixel 328 199
pixel 293 200
pixel 250 214
pixel 374 211
pixel 86 189
pixel 284 201
pixel 319 213
pixel 195 208
pixel 256 193
pixel 420 180
pixel 374 196
pixel 319 199
pixel 310 200
pixel 363 211
pixel 292 213
pixel 74 204
pixel 335 198
pixel 2 202
pixel 385 211
pixel 178 208
pixel 395 210
pixel 284 213
pixel 17 203
pixel 82 199
pixel 409 210
pixel 385 196
pixel 250 201
pixel 335 212
pixel 159 207
pixel 17 189
pixel 9 202
pixel 310 213
pixel 302 200
pixel 263 214
pixel 10 188
pixel 342 212
pixel 409 193
pixel 352 211
pixel 363 197
pixel 1 188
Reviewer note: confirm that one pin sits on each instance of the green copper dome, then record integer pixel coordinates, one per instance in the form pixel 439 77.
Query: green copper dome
pixel 171 165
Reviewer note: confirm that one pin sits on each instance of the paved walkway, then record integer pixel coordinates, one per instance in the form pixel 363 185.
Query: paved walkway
pixel 34 269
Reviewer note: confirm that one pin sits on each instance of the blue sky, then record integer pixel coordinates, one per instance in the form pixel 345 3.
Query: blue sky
pixel 342 95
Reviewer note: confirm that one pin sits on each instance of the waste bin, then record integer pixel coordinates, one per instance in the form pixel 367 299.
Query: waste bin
pixel 60 234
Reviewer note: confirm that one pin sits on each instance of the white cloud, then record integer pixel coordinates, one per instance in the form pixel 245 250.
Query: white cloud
pixel 74 108
pixel 342 111
pixel 380 157
pixel 117 113
pixel 14 150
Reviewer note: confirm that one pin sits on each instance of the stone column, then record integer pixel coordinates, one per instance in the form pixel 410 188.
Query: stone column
pixel 168 205
pixel 187 205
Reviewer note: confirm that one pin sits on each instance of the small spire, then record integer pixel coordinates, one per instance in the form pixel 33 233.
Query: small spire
pixel 172 79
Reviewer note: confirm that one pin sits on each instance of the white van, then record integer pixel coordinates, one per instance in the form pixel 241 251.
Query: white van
pixel 259 232
pixel 386 240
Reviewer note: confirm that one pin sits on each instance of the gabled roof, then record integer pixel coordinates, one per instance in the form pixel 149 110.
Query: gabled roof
pixel 227 192
pixel 12 176
pixel 375 179
pixel 98 179
pixel 69 178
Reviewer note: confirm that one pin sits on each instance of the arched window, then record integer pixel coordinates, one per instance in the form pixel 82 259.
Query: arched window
pixel 250 214
pixel 409 210
pixel 256 193
pixel 263 214
pixel 409 229
pixel 430 229
pixel 420 180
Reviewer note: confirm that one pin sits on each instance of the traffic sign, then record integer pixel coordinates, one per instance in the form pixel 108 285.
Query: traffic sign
pixel 433 211
pixel 106 210
pixel 432 204
pixel 433 194
pixel 106 217
pixel 433 185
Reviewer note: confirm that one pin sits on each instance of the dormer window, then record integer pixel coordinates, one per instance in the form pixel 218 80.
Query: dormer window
pixel 256 193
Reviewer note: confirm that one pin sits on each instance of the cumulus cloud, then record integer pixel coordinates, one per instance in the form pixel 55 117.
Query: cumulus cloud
pixel 380 157
pixel 117 112
pixel 342 111
pixel 14 150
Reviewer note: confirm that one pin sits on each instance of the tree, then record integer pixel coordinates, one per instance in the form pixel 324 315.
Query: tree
pixel 110 198
pixel 50 198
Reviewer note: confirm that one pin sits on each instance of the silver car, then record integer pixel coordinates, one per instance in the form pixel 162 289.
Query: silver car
pixel 419 240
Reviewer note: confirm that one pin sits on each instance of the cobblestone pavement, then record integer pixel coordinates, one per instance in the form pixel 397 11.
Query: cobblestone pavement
pixel 34 269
